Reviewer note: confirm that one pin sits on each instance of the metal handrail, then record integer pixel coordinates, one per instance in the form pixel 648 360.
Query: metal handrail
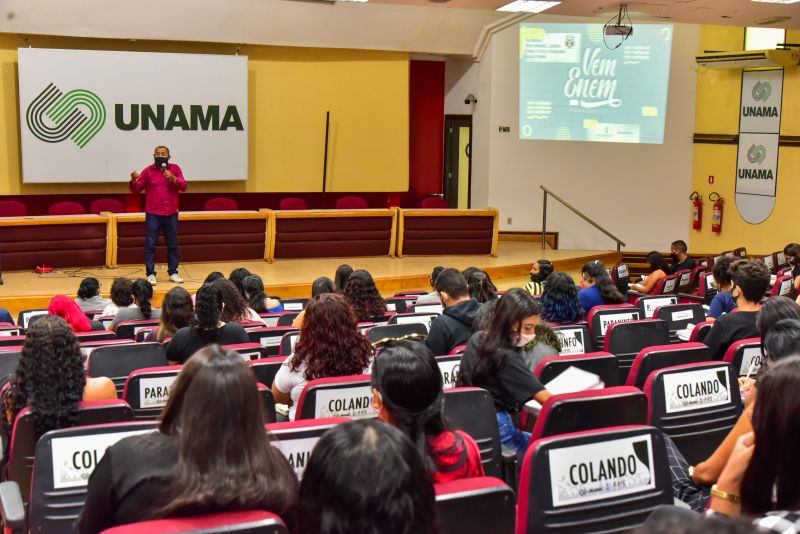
pixel 619 242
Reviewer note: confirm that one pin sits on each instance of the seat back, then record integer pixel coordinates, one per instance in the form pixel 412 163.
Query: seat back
pixel 660 356
pixel 66 208
pixel 575 339
pixel 241 522
pixel 397 304
pixel 449 366
pixel 376 333
pixel 472 410
pixel 12 208
pixel 413 294
pixel 64 461
pixel 700 331
pixel 670 284
pixel 601 317
pixel 685 280
pixel 221 204
pixel 248 351
pixel 779 259
pixel 297 439
pixel 594 481
pixel 265 369
pixel 625 340
pixel 8 362
pixel 409 318
pixel 24 317
pixel 341 396
pixel 118 361
pixel 292 203
pixel 89 347
pixel 142 333
pixel 783 286
pixel 129 329
pixel 425 308
pixel 11 330
pixel 744 353
pixel 12 341
pixel 769 261
pixel 23 436
pixel 602 364
pixel 679 316
pixel 621 277
pixel 740 252
pixel 97 335
pixel 695 404
pixel 106 204
pixel 147 390
pixel 295 305
pixel 269 337
pixel 434 203
pixel 648 305
pixel 351 202
pixel 589 410
pixel 705 287
pixel 288 341
pixel 480 504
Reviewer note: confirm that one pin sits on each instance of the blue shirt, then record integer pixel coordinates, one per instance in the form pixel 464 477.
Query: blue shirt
pixel 5 317
pixel 590 297
pixel 721 303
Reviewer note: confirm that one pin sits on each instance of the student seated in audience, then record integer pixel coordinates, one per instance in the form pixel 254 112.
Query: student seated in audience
pixel 362 294
pixel 598 288
pixel 750 281
pixel 142 292
pixel 329 345
pixel 320 286
pixel 237 277
pixel 658 270
pixel 208 328
pixel 121 296
pixel 454 326
pixel 433 296
pixel 66 308
pixel 5 317
pixel 407 393
pixel 792 253
pixel 680 259
pixel 493 361
pixel 778 323
pixel 341 276
pixel 365 477
pixel 89 298
pixel 560 302
pixel 234 307
pixel 210 453
pixel 539 273
pixel 723 301
pixel 50 380
pixel 213 276
pixel 480 285
pixel 256 298
pixel 177 311
pixel 761 476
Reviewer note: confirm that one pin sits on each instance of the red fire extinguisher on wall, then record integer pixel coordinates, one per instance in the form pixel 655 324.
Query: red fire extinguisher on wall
pixel 716 213
pixel 697 210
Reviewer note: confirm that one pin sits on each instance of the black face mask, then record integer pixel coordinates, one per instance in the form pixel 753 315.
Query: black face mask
pixel 534 277
pixel 160 160
pixel 674 258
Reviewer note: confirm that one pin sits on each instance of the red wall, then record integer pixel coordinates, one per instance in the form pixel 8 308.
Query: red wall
pixel 426 127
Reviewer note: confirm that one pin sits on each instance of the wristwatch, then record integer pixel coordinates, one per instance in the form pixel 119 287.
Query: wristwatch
pixel 730 497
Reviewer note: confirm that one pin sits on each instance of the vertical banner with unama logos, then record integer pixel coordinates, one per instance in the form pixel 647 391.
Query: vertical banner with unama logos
pixel 759 130
pixel 95 116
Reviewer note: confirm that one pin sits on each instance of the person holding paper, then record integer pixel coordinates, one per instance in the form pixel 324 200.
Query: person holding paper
pixel 493 361
pixel 162 182
pixel 658 270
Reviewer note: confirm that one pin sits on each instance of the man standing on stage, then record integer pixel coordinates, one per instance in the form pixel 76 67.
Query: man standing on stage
pixel 161 182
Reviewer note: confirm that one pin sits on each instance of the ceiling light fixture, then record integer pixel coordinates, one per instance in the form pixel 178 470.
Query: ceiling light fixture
pixel 777 1
pixel 528 6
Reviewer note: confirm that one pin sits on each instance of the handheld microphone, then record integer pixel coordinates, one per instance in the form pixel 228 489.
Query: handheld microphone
pixel 163 166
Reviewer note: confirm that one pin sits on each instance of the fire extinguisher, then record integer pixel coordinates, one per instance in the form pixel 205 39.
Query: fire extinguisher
pixel 697 210
pixel 716 213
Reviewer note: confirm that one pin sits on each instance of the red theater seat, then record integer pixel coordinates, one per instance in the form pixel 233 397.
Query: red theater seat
pixel 12 208
pixel 480 504
pixel 66 208
pixel 434 203
pixel 221 204
pixel 292 203
pixel 351 203
pixel 106 204
pixel 342 396
pixel 244 521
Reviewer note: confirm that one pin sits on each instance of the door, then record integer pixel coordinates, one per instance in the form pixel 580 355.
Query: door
pixel 457 160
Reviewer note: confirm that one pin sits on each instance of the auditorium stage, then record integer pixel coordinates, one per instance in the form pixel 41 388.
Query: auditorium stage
pixel 292 277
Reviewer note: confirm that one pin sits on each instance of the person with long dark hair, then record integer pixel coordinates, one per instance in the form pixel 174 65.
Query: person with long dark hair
pixel 598 287
pixel 792 254
pixel 540 270
pixel 365 477
pixel 329 345
pixel 762 477
pixel 658 270
pixel 177 311
pixel 256 298
pixel 89 298
pixel 209 327
pixel 50 380
pixel 480 285
pixel 234 307
pixel 142 292
pixel 560 302
pixel 493 361
pixel 210 453
pixel 341 276
pixel 320 286
pixel 237 277
pixel 407 393
pixel 68 309
pixel 121 296
pixel 362 294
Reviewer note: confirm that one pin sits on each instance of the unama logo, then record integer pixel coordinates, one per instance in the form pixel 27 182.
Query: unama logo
pixel 54 116
pixel 762 91
pixel 756 154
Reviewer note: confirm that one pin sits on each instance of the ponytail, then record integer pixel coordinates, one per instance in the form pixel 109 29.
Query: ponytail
pixel 143 292
pixel 254 292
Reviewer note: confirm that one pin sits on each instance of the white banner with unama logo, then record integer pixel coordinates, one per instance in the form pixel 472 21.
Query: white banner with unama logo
pixel 95 116
pixel 759 129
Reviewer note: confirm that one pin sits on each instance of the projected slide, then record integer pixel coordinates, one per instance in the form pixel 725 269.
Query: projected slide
pixel 573 88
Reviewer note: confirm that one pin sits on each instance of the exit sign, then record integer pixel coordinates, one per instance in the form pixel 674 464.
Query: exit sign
pixel 505 129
